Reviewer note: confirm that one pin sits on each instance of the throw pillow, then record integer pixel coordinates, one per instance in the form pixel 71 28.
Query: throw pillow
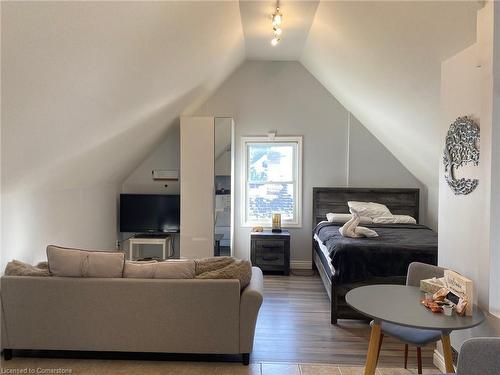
pixel 70 262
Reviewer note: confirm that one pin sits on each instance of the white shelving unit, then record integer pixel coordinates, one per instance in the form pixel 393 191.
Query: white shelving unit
pixel 165 243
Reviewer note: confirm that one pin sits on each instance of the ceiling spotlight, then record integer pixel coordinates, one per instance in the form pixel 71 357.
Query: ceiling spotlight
pixel 277 19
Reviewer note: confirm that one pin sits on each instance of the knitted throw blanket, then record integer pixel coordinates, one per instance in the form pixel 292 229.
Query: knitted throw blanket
pixel 18 268
pixel 224 268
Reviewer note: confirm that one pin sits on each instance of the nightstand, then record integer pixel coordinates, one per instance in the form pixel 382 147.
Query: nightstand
pixel 271 251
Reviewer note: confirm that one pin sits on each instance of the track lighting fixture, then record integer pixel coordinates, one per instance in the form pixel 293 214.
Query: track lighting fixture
pixel 277 19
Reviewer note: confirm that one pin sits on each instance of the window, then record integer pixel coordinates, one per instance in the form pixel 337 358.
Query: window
pixel 272 180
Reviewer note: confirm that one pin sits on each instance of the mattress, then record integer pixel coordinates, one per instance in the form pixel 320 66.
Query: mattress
pixel 324 256
pixel 360 259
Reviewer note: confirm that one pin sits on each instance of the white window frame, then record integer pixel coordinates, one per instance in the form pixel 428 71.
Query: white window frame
pixel 297 169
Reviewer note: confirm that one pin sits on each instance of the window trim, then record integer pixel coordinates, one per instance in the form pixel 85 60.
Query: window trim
pixel 297 223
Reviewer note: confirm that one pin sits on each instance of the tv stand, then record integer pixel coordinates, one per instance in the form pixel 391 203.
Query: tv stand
pixel 163 239
pixel 154 235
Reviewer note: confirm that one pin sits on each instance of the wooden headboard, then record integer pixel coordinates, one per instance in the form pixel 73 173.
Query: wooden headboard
pixel 332 199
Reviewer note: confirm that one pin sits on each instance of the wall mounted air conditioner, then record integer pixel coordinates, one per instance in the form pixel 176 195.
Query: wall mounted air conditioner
pixel 165 175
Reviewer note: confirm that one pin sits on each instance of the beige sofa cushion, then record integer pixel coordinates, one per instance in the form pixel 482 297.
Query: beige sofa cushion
pixel 84 263
pixel 170 269
pixel 175 269
pixel 139 270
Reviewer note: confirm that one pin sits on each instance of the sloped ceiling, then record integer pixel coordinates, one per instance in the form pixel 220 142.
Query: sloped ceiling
pixel 382 61
pixel 89 87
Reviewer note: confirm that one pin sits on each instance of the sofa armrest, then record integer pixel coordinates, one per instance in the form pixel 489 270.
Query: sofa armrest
pixel 250 302
pixel 4 342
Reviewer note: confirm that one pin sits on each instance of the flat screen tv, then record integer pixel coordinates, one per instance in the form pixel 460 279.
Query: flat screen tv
pixel 149 213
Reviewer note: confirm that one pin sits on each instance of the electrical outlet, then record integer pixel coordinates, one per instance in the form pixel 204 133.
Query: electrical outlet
pixel 117 245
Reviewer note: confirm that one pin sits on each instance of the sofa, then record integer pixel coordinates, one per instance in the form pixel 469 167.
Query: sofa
pixel 130 315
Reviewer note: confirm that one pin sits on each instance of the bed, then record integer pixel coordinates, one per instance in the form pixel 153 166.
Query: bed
pixel 346 263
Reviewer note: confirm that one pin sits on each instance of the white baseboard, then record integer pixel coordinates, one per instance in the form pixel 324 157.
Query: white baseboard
pixel 438 361
pixel 301 265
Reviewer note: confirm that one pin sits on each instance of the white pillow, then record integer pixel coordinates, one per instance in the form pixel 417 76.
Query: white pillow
pixel 344 218
pixel 395 219
pixel 369 209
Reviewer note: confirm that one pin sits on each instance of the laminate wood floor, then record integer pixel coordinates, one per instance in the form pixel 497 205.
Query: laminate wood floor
pixel 294 326
pixel 132 367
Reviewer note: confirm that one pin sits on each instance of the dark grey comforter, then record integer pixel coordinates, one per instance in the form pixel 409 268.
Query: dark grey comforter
pixel 360 259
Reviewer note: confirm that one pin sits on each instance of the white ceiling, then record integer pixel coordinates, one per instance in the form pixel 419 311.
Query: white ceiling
pixel 89 88
pixel 117 74
pixel 382 61
pixel 257 28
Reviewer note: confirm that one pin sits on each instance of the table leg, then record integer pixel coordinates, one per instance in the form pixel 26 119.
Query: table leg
pixel 448 359
pixel 372 357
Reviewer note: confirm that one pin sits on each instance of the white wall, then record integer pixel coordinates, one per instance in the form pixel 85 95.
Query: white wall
pixel 495 172
pixel 464 221
pixel 283 96
pixel 466 251
pixel 164 156
pixel 31 220
pixel 385 171
pixel 469 240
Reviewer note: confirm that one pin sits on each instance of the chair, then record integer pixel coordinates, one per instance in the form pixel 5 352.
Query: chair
pixel 479 356
pixel 413 336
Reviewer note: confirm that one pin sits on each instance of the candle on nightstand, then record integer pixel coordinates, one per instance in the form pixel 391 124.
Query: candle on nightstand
pixel 276 223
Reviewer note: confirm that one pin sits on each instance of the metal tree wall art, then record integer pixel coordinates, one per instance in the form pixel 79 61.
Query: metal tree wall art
pixel 461 147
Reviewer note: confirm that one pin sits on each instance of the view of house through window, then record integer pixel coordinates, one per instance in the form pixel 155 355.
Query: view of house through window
pixel 272 180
